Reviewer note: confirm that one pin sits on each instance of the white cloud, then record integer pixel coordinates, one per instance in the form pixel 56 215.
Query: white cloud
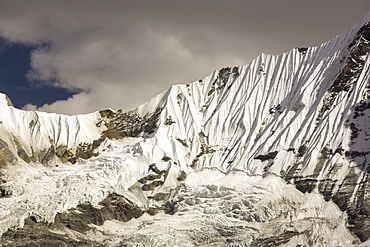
pixel 119 54
pixel 30 107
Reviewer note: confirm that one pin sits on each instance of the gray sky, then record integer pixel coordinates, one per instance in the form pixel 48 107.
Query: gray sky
pixel 119 54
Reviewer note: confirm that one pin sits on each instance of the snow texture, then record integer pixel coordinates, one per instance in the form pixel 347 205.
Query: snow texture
pixel 242 136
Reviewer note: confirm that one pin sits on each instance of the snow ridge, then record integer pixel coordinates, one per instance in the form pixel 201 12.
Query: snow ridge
pixel 299 119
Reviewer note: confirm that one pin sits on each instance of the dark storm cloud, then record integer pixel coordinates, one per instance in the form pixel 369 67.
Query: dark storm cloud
pixel 121 53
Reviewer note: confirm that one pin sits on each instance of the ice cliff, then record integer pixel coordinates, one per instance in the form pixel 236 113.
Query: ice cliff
pixel 276 151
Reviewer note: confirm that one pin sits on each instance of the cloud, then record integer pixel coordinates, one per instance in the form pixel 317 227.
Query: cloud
pixel 119 54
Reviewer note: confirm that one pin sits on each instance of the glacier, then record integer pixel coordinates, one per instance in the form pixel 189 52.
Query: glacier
pixel 274 153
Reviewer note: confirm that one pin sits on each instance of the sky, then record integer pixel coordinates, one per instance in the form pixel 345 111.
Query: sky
pixel 75 57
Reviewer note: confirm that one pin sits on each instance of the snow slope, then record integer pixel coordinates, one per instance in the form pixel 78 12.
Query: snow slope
pixel 290 132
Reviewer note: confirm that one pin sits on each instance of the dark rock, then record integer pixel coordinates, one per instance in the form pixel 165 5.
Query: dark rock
pixel 153 176
pixel 151 186
pixel 153 211
pixel 353 154
pixel 359 212
pixel 63 153
pixel 360 226
pixel 46 155
pixel 339 150
pixel 113 207
pixel 344 194
pixel 73 160
pixel 235 73
pixel 128 124
pixel 204 149
pixel 306 185
pixel 40 236
pixel 269 156
pixel 291 171
pixel 183 142
pixel 227 231
pixel 153 167
pixel 302 49
pixel 182 176
pixel 160 196
pixel 23 155
pixel 78 219
pixel 326 189
pixel 354 131
pixel 6 156
pixel 9 102
pixel 326 153
pixel 166 158
pixel 302 150
pixel 274 241
pixel 169 121
pixel 350 72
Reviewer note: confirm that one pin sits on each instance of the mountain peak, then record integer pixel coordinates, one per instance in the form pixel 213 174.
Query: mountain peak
pixel 278 148
pixel 4 99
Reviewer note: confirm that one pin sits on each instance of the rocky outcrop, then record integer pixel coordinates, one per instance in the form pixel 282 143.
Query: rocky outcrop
pixel 110 124
pixel 275 240
pixel 121 124
pixel 6 156
pixel 351 192
pixel 69 227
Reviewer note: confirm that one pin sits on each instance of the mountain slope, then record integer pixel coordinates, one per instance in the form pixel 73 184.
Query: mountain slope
pixel 288 134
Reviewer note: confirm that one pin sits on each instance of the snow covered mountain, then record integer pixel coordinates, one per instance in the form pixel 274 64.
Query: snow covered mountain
pixel 274 153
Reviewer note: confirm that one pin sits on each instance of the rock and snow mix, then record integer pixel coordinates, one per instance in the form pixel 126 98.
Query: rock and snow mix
pixel 235 211
pixel 273 152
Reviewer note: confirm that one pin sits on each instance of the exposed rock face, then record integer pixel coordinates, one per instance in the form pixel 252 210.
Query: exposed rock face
pixel 109 124
pixel 6 156
pixel 113 207
pixel 121 124
pixel 9 102
pixel 69 227
pixel 350 193
pixel 41 234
